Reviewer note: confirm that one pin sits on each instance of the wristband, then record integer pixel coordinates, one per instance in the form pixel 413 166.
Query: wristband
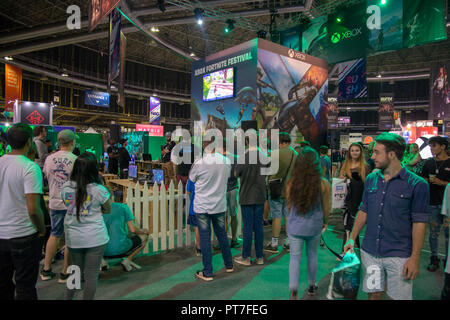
pixel 350 242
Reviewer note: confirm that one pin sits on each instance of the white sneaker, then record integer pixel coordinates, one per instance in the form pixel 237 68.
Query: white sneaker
pixel 260 261
pixel 126 264
pixel 243 261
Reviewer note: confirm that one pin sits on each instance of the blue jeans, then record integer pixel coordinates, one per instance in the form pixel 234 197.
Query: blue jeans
pixel 252 219
pixel 436 221
pixel 204 228
pixel 296 246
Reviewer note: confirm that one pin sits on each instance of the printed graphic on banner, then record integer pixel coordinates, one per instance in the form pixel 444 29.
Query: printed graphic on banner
pixel 155 111
pixel 440 93
pixel 333 112
pixel 153 131
pixel 386 113
pixel 123 52
pixel 35 113
pixel 423 22
pixel 114 45
pixel 353 79
pixel 291 38
pixel 13 86
pixel 99 9
pixel 96 98
pixel 385 25
pixel 314 35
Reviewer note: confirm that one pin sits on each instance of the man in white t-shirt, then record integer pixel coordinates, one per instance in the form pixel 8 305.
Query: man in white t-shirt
pixel 57 169
pixel 210 175
pixel 22 227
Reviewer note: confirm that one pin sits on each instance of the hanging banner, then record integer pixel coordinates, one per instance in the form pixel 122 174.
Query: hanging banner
pixel 386 113
pixel 34 113
pixel 333 112
pixel 439 93
pixel 153 131
pixel 99 9
pixel 291 38
pixel 353 79
pixel 123 51
pixel 155 111
pixel 13 86
pixel 96 98
pixel 114 45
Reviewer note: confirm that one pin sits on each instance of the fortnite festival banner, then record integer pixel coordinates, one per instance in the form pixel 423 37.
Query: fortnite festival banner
pixel 155 111
pixel 96 98
pixel 13 86
pixel 333 112
pixel 353 79
pixel 386 112
pixel 114 45
pixel 98 9
pixel 439 93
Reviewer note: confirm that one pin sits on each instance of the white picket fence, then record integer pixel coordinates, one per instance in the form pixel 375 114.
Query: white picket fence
pixel 168 215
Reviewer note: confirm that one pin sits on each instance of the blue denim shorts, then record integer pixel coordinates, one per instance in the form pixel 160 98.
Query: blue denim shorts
pixel 57 221
pixel 278 208
pixel 192 220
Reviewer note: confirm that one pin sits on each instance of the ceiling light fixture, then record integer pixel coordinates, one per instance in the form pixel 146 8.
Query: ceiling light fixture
pixel 9 58
pixel 154 29
pixel 64 74
pixel 230 25
pixel 192 54
pixel 199 15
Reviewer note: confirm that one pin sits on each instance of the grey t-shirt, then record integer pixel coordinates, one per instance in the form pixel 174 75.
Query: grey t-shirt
pixel 42 152
pixel 252 184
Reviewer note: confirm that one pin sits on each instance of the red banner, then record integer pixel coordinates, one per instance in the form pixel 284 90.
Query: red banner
pixel 98 10
pixel 13 86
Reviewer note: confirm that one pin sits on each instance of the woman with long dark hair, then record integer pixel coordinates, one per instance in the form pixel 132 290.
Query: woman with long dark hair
pixel 308 201
pixel 355 169
pixel 85 231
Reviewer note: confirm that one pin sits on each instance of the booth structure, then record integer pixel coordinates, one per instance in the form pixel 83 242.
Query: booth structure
pixel 277 87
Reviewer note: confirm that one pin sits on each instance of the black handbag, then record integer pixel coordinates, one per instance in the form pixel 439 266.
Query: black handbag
pixel 276 185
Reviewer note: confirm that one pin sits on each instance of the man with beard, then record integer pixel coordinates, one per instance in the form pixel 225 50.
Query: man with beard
pixel 395 210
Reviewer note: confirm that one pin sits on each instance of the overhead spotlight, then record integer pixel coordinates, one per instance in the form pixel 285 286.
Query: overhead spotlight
pixel 9 58
pixel 339 19
pixel 261 34
pixel 154 29
pixel 64 74
pixel 379 75
pixel 161 5
pixel 192 54
pixel 383 2
pixel 230 25
pixel 199 15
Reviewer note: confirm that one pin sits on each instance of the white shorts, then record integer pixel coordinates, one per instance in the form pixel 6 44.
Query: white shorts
pixel 374 276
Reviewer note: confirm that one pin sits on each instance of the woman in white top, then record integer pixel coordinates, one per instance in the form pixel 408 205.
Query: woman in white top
pixel 85 231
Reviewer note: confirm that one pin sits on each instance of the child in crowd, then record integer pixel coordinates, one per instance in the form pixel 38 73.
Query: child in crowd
pixel 85 230
pixel 192 219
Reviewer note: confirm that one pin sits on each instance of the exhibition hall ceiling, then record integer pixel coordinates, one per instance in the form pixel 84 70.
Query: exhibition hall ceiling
pixel 32 25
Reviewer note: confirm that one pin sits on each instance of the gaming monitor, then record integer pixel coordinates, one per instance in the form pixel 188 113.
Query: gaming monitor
pixel 158 176
pixel 132 171
pixel 218 85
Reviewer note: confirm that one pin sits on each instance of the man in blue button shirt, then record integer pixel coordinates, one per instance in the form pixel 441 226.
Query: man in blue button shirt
pixel 395 211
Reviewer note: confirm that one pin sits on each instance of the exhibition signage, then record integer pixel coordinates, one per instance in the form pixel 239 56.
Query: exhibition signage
pixel 99 9
pixel 291 38
pixel 439 93
pixel 155 111
pixel 96 98
pixel 153 131
pixel 123 50
pixel 353 79
pixel 386 113
pixel 333 112
pixel 13 86
pixel 33 113
pixel 114 45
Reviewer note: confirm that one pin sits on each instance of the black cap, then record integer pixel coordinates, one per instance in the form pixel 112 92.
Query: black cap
pixel 439 140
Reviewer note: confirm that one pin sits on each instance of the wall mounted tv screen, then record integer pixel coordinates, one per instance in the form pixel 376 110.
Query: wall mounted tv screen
pixel 218 85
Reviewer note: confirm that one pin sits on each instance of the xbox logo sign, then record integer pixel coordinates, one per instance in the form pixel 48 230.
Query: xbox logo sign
pixel 291 53
pixel 336 37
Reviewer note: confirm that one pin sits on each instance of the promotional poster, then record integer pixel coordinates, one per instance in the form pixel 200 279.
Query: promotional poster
pixel 114 45
pixel 332 112
pixel 155 111
pixel 386 113
pixel 276 86
pixel 99 9
pixel 439 93
pixel 33 113
pixel 13 86
pixel 353 79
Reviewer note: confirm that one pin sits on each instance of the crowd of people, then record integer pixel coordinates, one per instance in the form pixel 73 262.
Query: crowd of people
pixel 385 195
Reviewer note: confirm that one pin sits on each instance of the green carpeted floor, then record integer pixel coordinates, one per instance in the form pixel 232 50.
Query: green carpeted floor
pixel 170 275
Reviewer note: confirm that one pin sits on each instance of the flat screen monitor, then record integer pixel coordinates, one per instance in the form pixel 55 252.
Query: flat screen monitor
pixel 132 171
pixel 218 85
pixel 147 157
pixel 158 176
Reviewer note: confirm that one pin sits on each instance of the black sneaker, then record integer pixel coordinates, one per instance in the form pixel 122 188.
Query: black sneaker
pixel 434 264
pixel 270 248
pixel 312 290
pixel 63 277
pixel 46 274
pixel 286 247
pixel 266 223
pixel 293 295
pixel 198 252
pixel 235 244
